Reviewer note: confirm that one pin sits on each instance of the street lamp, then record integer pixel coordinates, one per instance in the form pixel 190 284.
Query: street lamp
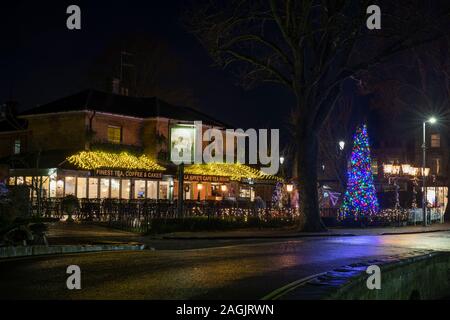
pixel 431 120
pixel 281 160
pixel 341 145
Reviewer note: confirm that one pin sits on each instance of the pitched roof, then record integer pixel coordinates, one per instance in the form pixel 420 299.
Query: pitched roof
pixel 141 107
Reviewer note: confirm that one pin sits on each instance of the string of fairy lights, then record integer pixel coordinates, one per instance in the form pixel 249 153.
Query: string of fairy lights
pixel 360 199
pixel 91 160
pixel 236 171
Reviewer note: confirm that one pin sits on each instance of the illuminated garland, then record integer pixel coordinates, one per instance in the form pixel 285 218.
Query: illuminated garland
pixel 235 171
pixel 90 160
pixel 360 198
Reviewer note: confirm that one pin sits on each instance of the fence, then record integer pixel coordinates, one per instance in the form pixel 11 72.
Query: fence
pixel 138 214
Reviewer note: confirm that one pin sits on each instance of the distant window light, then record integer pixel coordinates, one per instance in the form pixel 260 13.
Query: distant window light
pixel 437 166
pixel 436 140
pixel 114 134
pixel 17 146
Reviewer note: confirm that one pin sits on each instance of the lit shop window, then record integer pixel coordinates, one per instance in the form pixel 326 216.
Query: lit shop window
pixel 104 188
pixel 45 186
pixel 19 181
pixel 29 181
pixel 81 188
pixel 70 186
pixel 126 184
pixel 436 140
pixel 164 190
pixel 139 189
pixel 152 189
pixel 17 147
pixel 59 188
pixel 11 181
pixel 114 134
pixel 52 186
pixel 93 188
pixel 115 188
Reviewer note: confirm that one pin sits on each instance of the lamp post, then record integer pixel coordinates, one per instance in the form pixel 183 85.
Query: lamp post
pixel 432 120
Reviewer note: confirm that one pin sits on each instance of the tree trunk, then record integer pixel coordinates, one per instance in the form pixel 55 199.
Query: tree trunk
pixel 307 152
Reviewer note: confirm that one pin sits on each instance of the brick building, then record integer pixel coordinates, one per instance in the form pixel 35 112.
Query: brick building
pixel 99 145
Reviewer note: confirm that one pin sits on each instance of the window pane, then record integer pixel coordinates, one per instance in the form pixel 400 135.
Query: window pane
pixel 93 188
pixel 19 180
pixel 152 191
pixel 126 189
pixel 114 134
pixel 81 187
pixel 115 188
pixel 164 190
pixel 435 140
pixel 12 181
pixel 70 186
pixel 104 188
pixel 52 186
pixel 59 188
pixel 17 146
pixel 45 186
pixel 139 189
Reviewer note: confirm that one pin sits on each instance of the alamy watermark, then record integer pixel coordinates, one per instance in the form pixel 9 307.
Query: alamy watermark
pixel 226 146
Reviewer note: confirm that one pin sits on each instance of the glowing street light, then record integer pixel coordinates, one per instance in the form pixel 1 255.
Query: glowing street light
pixel 341 145
pixel 431 120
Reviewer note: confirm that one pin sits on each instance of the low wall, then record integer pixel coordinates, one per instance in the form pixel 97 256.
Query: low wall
pixel 416 275
pixel 23 251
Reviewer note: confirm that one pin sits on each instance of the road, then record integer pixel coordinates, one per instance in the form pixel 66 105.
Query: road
pixel 232 270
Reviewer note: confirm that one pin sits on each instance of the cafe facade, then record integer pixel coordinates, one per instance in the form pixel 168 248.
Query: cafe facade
pixel 98 145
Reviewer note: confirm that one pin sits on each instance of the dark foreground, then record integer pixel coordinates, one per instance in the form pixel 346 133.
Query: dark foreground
pixel 235 271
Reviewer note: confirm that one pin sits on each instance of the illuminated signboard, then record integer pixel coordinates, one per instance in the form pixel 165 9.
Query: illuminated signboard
pixel 182 144
pixel 126 173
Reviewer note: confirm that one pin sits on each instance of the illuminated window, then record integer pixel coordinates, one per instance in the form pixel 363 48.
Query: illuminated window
pixel 70 186
pixel 437 165
pixel 115 188
pixel 436 140
pixel 126 184
pixel 17 146
pixel 114 134
pixel 139 189
pixel 93 188
pixel 152 190
pixel 104 188
pixel 81 187
pixel 164 190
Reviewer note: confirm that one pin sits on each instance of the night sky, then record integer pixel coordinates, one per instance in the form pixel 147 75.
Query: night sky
pixel 41 60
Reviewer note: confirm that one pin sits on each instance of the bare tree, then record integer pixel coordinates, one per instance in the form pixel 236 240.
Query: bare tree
pixel 338 127
pixel 309 47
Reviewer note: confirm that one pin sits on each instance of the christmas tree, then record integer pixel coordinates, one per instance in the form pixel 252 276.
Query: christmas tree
pixel 360 199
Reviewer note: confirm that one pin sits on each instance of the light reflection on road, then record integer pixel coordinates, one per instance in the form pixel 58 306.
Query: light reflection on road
pixel 430 241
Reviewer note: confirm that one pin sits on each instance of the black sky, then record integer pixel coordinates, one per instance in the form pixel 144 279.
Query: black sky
pixel 41 60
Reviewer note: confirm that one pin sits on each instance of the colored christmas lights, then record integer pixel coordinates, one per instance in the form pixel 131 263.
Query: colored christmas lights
pixel 90 160
pixel 360 199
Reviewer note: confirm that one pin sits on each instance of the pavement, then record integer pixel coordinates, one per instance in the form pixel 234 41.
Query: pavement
pixel 233 270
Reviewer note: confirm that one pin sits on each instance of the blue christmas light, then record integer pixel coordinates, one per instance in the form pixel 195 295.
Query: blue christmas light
pixel 360 199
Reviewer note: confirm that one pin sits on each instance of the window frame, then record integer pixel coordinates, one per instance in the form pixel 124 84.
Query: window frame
pixel 113 127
